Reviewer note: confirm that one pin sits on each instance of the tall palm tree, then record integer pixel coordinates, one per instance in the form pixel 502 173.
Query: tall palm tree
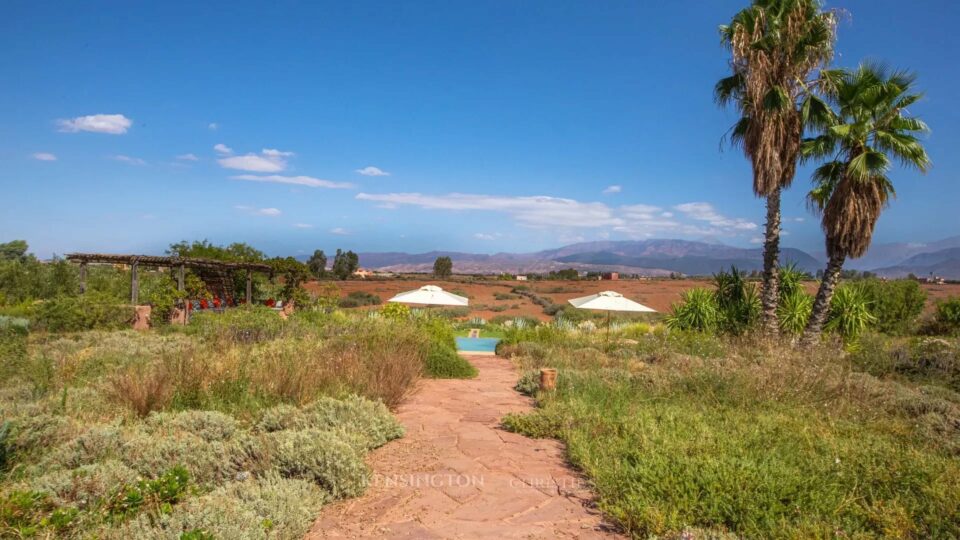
pixel 777 49
pixel 852 188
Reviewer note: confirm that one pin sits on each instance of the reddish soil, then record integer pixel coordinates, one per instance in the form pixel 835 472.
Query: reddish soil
pixel 458 474
pixel 658 294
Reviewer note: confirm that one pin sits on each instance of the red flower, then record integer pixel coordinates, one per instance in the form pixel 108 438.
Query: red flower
pixel 203 303
pixel 270 302
pixel 216 302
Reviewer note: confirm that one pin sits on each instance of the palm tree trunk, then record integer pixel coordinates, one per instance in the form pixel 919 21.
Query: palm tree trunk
pixel 770 295
pixel 821 306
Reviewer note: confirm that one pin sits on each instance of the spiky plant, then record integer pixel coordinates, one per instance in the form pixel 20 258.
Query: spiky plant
pixel 794 311
pixel 737 301
pixel 851 189
pixel 778 48
pixel 697 310
pixel 850 313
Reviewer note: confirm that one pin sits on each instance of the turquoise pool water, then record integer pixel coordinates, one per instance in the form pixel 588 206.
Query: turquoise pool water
pixel 487 345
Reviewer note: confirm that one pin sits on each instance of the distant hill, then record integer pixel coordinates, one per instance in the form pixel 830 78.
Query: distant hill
pixel 881 256
pixel 645 257
pixel 943 263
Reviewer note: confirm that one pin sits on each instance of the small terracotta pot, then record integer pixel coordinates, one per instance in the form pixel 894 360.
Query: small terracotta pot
pixel 548 379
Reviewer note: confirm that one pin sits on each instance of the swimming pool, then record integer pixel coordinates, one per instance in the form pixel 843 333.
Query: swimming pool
pixel 477 345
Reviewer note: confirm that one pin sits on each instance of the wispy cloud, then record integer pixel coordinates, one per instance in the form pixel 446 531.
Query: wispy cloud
pixel 222 149
pixel 702 211
pixel 303 225
pixel 188 157
pixel 308 181
pixel 267 161
pixel 372 171
pixel 213 126
pixel 485 236
pixel 114 124
pixel 128 159
pixel 568 215
pixel 43 156
pixel 534 211
pixel 612 189
pixel 339 231
pixel 254 211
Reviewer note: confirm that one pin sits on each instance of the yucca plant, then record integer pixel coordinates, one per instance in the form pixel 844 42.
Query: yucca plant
pixel 849 313
pixel 737 301
pixel 791 280
pixel 794 311
pixel 697 311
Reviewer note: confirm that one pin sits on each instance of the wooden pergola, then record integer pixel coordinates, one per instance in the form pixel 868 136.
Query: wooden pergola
pixel 180 263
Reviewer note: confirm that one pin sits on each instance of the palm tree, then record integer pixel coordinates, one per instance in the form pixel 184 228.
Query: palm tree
pixel 777 47
pixel 852 188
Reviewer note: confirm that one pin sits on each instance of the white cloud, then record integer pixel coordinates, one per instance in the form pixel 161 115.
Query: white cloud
pixel 485 236
pixel 269 212
pixel 253 163
pixel 339 231
pixel 128 159
pixel 308 181
pixel 702 211
pixel 114 124
pixel 188 157
pixel 537 211
pixel 221 148
pixel 213 126
pixel 372 171
pixel 303 225
pixel 613 189
pixel 43 156
pixel 756 240
pixel 268 160
pixel 567 216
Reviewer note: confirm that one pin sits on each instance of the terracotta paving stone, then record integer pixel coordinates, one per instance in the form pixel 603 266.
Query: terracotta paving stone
pixel 457 474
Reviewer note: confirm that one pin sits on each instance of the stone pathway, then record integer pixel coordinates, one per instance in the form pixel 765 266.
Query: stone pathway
pixel 456 474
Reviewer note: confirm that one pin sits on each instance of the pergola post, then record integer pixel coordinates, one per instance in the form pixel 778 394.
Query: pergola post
pixel 249 286
pixel 134 283
pixel 83 277
pixel 180 271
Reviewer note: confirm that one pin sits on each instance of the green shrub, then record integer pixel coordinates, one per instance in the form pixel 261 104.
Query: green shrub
pixel 370 422
pixel 794 312
pixel 321 457
pixel 396 311
pixel 14 332
pixel 697 310
pixel 84 486
pixel 360 298
pixel 266 507
pixel 896 304
pixel 208 425
pixel 246 324
pixel 947 315
pixel 850 313
pixel 86 312
pixel 528 383
pixel 443 362
pixel 737 302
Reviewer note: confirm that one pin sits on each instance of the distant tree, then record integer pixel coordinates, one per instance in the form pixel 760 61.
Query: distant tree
pixel 442 267
pixel 345 264
pixel 293 272
pixel 318 263
pixel 14 250
pixel 236 252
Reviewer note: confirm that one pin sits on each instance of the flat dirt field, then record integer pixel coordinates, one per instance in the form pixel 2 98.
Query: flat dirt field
pixel 658 294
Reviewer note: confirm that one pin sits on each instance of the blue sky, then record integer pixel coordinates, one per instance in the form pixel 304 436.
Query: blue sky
pixel 411 126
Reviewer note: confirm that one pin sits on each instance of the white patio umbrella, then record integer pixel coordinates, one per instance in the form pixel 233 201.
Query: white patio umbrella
pixel 609 301
pixel 430 295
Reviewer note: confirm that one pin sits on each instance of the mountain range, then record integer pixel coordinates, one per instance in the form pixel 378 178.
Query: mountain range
pixel 662 257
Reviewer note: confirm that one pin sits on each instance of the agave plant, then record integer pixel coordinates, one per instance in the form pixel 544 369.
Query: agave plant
pixel 697 311
pixel 794 311
pixel 737 301
pixel 849 313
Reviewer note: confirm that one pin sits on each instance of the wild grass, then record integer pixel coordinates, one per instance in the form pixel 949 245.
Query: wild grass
pixel 237 426
pixel 690 432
